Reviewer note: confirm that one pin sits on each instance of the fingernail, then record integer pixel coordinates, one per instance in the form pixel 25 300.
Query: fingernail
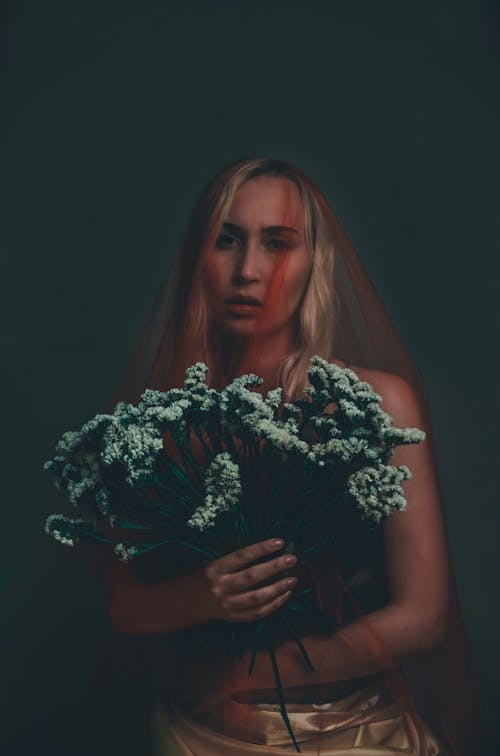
pixel 291 581
pixel 278 542
pixel 291 559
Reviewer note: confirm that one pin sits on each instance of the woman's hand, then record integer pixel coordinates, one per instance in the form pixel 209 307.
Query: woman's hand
pixel 231 582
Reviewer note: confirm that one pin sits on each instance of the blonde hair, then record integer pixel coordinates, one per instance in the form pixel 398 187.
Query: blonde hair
pixel 189 317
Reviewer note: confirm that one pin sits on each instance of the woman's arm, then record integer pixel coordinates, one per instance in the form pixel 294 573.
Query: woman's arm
pixel 149 608
pixel 224 589
pixel 417 566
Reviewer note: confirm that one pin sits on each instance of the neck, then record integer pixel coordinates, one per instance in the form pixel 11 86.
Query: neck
pixel 262 355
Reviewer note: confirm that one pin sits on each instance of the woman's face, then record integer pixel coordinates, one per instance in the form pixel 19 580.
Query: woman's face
pixel 260 254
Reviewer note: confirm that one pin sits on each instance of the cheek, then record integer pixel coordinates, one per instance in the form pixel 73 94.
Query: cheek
pixel 213 276
pixel 297 279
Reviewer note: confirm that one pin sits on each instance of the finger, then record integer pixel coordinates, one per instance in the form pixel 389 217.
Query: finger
pixel 262 611
pixel 258 573
pixel 239 559
pixel 253 599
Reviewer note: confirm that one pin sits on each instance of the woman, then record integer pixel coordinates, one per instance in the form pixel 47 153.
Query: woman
pixel 254 290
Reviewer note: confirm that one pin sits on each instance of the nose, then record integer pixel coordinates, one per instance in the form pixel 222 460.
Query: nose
pixel 248 264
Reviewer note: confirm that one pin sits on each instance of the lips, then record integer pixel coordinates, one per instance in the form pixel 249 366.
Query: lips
pixel 241 300
pixel 240 306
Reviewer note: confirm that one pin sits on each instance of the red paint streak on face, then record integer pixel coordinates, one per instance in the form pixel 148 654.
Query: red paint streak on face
pixel 274 294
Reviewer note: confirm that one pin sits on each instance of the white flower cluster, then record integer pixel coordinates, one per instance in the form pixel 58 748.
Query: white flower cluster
pixel 377 490
pixel 126 437
pixel 356 400
pixel 359 428
pixel 222 491
pixel 62 528
pixel 167 416
pixel 249 415
pixel 339 449
pixel 195 384
pixel 125 553
pixel 195 404
pixel 76 466
pixel 134 445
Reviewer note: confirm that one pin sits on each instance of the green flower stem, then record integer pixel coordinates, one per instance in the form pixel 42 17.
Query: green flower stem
pixel 181 442
pixel 309 515
pixel 252 659
pixel 310 519
pixel 94 537
pixel 210 555
pixel 209 453
pixel 269 532
pixel 180 475
pixel 258 634
pixel 190 461
pixel 230 446
pixel 318 546
pixel 297 640
pixel 204 552
pixel 281 696
pixel 277 489
pixel 132 526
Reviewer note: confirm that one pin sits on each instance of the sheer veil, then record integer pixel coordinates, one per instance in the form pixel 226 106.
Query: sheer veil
pixel 362 335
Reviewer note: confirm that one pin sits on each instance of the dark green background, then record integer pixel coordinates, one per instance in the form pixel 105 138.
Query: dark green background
pixel 113 116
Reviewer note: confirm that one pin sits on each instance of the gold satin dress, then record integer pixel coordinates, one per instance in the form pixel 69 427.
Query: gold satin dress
pixel 364 722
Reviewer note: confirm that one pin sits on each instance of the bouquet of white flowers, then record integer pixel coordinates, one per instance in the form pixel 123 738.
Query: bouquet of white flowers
pixel 246 467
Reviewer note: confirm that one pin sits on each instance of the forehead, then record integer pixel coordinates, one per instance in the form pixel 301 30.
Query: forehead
pixel 267 201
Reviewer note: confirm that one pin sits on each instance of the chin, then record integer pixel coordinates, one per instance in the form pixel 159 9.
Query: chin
pixel 240 328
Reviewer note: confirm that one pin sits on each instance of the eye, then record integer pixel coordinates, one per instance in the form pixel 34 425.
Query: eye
pixel 277 244
pixel 225 241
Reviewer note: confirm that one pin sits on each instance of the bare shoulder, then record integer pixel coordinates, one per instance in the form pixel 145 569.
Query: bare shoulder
pixel 398 397
pixel 380 379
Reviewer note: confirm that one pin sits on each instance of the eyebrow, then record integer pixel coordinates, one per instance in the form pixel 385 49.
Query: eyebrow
pixel 268 229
